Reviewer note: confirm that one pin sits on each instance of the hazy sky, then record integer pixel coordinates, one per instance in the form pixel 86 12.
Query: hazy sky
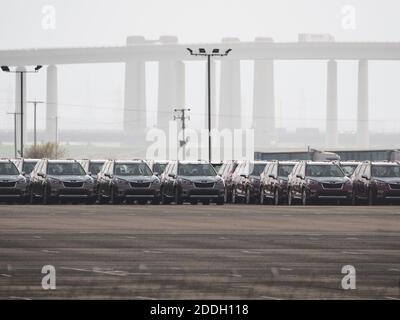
pixel 97 90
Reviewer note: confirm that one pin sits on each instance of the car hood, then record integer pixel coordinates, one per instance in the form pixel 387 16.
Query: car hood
pixel 136 178
pixel 69 178
pixel 330 179
pixel 203 179
pixel 8 178
pixel 394 180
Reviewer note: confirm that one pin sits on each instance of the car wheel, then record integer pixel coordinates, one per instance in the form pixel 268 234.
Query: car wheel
pixel 178 199
pixel 193 202
pixel 226 195
pixel 46 197
pixel 262 196
pixel 156 201
pixel 248 196
pixel 290 198
pixel 276 197
pixel 371 198
pixel 142 202
pixel 235 199
pixel 220 201
pixel 206 202
pixel 304 199
pixel 354 200
pixel 113 197
pixel 164 199
pixel 31 197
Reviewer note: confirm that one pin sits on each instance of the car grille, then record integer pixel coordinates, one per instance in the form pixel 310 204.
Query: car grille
pixel 7 184
pixel 204 192
pixel 395 186
pixel 332 185
pixel 140 184
pixel 204 184
pixel 71 192
pixel 73 184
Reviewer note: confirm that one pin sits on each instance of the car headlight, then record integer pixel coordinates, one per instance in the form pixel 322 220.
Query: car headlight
pixel 186 182
pixel 121 181
pixel 55 181
pixel 21 180
pixel 380 183
pixel 89 181
pixel 311 182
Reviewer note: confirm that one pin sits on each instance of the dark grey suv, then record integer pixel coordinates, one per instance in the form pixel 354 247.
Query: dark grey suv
pixel 191 181
pixel 128 180
pixel 13 185
pixel 55 180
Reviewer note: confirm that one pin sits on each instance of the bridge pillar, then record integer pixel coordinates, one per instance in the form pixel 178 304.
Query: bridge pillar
pixel 18 106
pixel 51 103
pixel 171 92
pixel 135 97
pixel 230 95
pixel 362 107
pixel 264 102
pixel 331 106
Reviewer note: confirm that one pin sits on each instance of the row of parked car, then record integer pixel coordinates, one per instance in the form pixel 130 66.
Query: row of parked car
pixel 262 182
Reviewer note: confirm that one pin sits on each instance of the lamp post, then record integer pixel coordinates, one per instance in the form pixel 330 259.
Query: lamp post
pixel 21 72
pixel 15 132
pixel 34 120
pixel 214 53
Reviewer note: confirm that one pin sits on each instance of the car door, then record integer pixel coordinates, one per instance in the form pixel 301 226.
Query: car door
pixel 297 181
pixel 41 179
pixel 355 179
pixel 34 179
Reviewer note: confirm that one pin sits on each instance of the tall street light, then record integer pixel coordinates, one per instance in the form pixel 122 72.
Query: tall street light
pixel 203 52
pixel 34 102
pixel 21 72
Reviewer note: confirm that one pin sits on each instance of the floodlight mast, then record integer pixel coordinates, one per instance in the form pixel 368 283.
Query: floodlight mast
pixel 214 53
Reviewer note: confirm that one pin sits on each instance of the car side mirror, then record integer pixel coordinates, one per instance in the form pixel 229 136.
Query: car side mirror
pixel 299 176
pixel 156 173
pixel 41 174
pixel 109 175
pixel 272 176
pixel 89 174
pixel 365 177
pixel 243 175
pixel 23 173
pixel 172 175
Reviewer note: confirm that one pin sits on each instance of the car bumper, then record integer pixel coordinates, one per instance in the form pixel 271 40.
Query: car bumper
pixel 13 193
pixel 202 193
pixel 341 194
pixel 138 193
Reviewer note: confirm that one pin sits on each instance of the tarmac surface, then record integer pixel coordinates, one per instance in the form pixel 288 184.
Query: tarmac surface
pixel 199 252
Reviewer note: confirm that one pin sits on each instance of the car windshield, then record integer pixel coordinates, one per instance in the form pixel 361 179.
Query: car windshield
pixel 159 167
pixel 196 169
pixel 65 169
pixel 217 166
pixel 348 169
pixel 323 170
pixel 95 167
pixel 132 169
pixel 256 169
pixel 285 169
pixel 27 167
pixel 8 169
pixel 383 171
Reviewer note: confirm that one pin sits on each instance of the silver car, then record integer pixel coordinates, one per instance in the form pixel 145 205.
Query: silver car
pixel 13 185
pixel 192 181
pixel 128 180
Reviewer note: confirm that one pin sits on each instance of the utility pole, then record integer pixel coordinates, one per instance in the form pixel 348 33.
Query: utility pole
pixel 180 114
pixel 34 120
pixel 15 132
pixel 56 137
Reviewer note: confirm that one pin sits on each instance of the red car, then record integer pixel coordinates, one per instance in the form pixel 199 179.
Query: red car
pixel 314 181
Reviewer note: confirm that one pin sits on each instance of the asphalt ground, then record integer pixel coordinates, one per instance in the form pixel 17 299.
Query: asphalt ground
pixel 199 252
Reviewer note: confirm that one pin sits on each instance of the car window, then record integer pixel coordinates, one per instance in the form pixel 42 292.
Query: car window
pixel 285 169
pixel 385 171
pixel 95 167
pixel 65 169
pixel 132 169
pixel 8 169
pixel 196 169
pixel 324 170
pixel 159 167
pixel 27 167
